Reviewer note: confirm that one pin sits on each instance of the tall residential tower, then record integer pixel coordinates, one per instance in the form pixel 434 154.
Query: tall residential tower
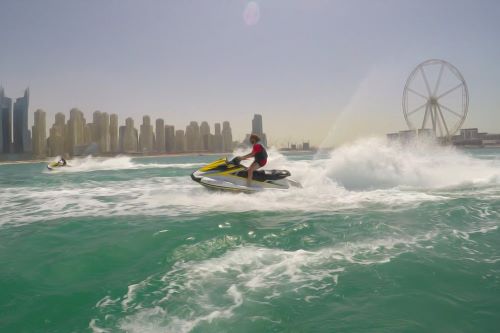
pixel 5 122
pixel 227 137
pixel 22 135
pixel 146 136
pixel 113 132
pixel 160 136
pixel 39 133
pixel 258 129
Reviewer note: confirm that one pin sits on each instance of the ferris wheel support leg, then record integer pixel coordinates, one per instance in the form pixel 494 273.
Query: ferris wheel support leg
pixel 424 122
pixel 442 119
pixel 433 118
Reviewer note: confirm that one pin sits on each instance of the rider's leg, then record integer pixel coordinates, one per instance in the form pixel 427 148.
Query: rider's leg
pixel 251 169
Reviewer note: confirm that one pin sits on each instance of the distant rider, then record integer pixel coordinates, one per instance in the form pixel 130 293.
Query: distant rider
pixel 62 162
pixel 260 155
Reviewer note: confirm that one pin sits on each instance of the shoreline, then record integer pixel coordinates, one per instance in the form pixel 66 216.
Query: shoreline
pixel 49 159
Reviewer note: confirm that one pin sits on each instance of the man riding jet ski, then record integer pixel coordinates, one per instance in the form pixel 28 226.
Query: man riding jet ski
pixel 61 163
pixel 260 155
pixel 232 176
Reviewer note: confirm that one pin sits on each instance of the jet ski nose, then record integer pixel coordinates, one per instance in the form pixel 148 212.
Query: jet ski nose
pixel 196 179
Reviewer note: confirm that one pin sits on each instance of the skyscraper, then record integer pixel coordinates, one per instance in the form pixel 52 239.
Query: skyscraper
pixel 160 136
pixel 103 130
pixel 88 133
pixel 22 135
pixel 180 141
pixel 96 117
pixel 75 132
pixel 146 137
pixel 169 138
pixel 39 135
pixel 121 137
pixel 128 137
pixel 57 134
pixel 258 129
pixel 189 138
pixel 206 137
pixel 5 122
pixel 227 137
pixel 193 142
pixel 218 142
pixel 113 133
pixel 257 124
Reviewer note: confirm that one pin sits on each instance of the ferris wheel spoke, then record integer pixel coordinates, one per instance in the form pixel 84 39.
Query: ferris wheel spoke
pixel 417 93
pixel 450 91
pixel 442 120
pixel 436 88
pixel 417 109
pixel 450 110
pixel 426 81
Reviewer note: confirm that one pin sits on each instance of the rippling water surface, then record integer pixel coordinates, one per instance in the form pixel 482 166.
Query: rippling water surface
pixel 380 238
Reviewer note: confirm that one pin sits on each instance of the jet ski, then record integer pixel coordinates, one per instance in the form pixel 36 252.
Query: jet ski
pixel 232 176
pixel 57 164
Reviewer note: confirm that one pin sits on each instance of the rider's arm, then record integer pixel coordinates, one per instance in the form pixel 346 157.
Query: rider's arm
pixel 247 156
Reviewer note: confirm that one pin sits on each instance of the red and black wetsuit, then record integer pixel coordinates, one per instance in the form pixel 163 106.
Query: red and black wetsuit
pixel 260 154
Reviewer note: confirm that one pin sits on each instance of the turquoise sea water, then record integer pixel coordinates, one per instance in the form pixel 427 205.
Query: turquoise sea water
pixel 379 239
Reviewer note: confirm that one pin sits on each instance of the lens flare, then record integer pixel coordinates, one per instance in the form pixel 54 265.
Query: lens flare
pixel 251 14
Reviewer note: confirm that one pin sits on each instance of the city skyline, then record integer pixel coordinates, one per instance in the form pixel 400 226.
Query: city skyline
pixel 103 135
pixel 29 120
pixel 329 70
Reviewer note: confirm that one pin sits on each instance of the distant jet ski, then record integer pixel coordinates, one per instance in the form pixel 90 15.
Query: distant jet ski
pixel 232 176
pixel 57 164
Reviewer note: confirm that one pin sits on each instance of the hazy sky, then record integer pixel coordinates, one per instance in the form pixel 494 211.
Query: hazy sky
pixel 314 69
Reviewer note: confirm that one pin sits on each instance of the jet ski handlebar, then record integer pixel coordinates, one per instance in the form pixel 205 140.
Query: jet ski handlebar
pixel 235 161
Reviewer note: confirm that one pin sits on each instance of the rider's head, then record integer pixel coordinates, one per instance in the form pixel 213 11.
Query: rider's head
pixel 254 138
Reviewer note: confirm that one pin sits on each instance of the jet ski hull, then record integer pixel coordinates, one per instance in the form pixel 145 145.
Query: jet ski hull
pixel 223 175
pixel 54 166
pixel 221 185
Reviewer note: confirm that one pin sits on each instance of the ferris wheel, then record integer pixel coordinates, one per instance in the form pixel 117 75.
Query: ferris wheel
pixel 435 98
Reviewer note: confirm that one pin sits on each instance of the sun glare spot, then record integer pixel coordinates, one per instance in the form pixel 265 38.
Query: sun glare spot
pixel 251 14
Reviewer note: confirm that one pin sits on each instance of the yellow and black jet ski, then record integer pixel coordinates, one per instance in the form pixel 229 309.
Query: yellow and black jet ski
pixel 57 164
pixel 232 176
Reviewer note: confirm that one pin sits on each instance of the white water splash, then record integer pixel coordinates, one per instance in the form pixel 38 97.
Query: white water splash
pixel 376 164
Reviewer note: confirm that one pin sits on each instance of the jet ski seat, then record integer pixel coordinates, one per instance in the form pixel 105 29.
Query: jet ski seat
pixel 262 175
